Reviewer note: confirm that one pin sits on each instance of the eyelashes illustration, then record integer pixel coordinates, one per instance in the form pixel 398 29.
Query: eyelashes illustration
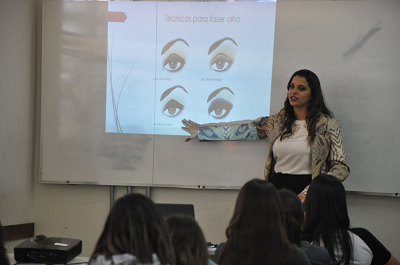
pixel 222 58
pixel 220 106
pixel 220 102
pixel 225 54
pixel 174 101
pixel 173 108
pixel 174 59
pixel 174 63
pixel 221 63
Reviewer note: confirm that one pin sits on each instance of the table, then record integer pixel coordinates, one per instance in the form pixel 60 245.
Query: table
pixel 76 260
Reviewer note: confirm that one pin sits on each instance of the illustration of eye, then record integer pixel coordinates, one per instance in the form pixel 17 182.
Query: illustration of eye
pixel 221 63
pixel 175 101
pixel 174 63
pixel 220 108
pixel 222 54
pixel 173 108
pixel 174 55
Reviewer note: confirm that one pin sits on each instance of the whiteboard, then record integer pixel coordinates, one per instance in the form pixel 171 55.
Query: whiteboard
pixel 351 45
pixel 353 48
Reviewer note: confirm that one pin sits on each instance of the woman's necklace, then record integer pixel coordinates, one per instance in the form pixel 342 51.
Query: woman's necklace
pixel 299 126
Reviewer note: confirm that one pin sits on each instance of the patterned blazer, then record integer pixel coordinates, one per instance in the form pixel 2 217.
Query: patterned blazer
pixel 327 151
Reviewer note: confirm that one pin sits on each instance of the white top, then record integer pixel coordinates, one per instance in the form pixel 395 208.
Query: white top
pixel 122 259
pixel 293 154
pixel 362 254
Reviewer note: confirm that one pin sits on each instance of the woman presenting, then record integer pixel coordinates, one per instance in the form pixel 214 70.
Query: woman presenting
pixel 304 137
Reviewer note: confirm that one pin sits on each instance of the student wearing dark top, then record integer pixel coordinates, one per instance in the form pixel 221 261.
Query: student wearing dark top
pixel 294 218
pixel 256 233
pixel 328 224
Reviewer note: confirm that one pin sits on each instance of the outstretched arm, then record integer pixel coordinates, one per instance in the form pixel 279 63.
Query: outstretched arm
pixel 242 130
pixel 191 127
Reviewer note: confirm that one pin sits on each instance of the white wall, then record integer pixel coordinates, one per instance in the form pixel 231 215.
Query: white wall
pixel 17 109
pixel 380 215
pixel 79 211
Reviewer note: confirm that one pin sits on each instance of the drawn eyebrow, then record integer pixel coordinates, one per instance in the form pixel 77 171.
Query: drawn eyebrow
pixel 216 92
pixel 218 42
pixel 172 42
pixel 169 90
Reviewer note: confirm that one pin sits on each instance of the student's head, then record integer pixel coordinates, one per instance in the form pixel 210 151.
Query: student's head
pixel 188 240
pixel 327 218
pixel 326 202
pixel 294 215
pixel 257 202
pixel 256 233
pixel 135 226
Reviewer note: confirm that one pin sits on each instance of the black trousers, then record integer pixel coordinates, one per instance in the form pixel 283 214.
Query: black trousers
pixel 295 183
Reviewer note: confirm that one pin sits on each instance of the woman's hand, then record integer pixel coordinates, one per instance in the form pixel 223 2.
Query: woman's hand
pixel 190 127
pixel 302 197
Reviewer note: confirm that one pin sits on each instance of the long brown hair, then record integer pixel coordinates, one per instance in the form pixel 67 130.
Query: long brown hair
pixel 294 215
pixel 188 240
pixel 135 226
pixel 256 233
pixel 315 108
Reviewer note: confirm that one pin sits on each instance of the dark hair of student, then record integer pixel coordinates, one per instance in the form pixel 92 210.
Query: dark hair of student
pixel 315 108
pixel 256 233
pixel 3 253
pixel 327 218
pixel 188 240
pixel 135 226
pixel 294 215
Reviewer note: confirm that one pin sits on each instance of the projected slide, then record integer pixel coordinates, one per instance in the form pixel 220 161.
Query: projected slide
pixel 209 62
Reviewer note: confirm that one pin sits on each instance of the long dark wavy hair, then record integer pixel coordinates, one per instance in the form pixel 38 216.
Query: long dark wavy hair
pixel 256 233
pixel 188 240
pixel 327 218
pixel 135 226
pixel 294 215
pixel 315 107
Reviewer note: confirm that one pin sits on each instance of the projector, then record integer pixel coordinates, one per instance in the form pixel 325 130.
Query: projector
pixel 42 249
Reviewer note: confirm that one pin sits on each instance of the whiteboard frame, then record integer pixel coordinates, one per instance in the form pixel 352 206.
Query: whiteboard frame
pixel 279 72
